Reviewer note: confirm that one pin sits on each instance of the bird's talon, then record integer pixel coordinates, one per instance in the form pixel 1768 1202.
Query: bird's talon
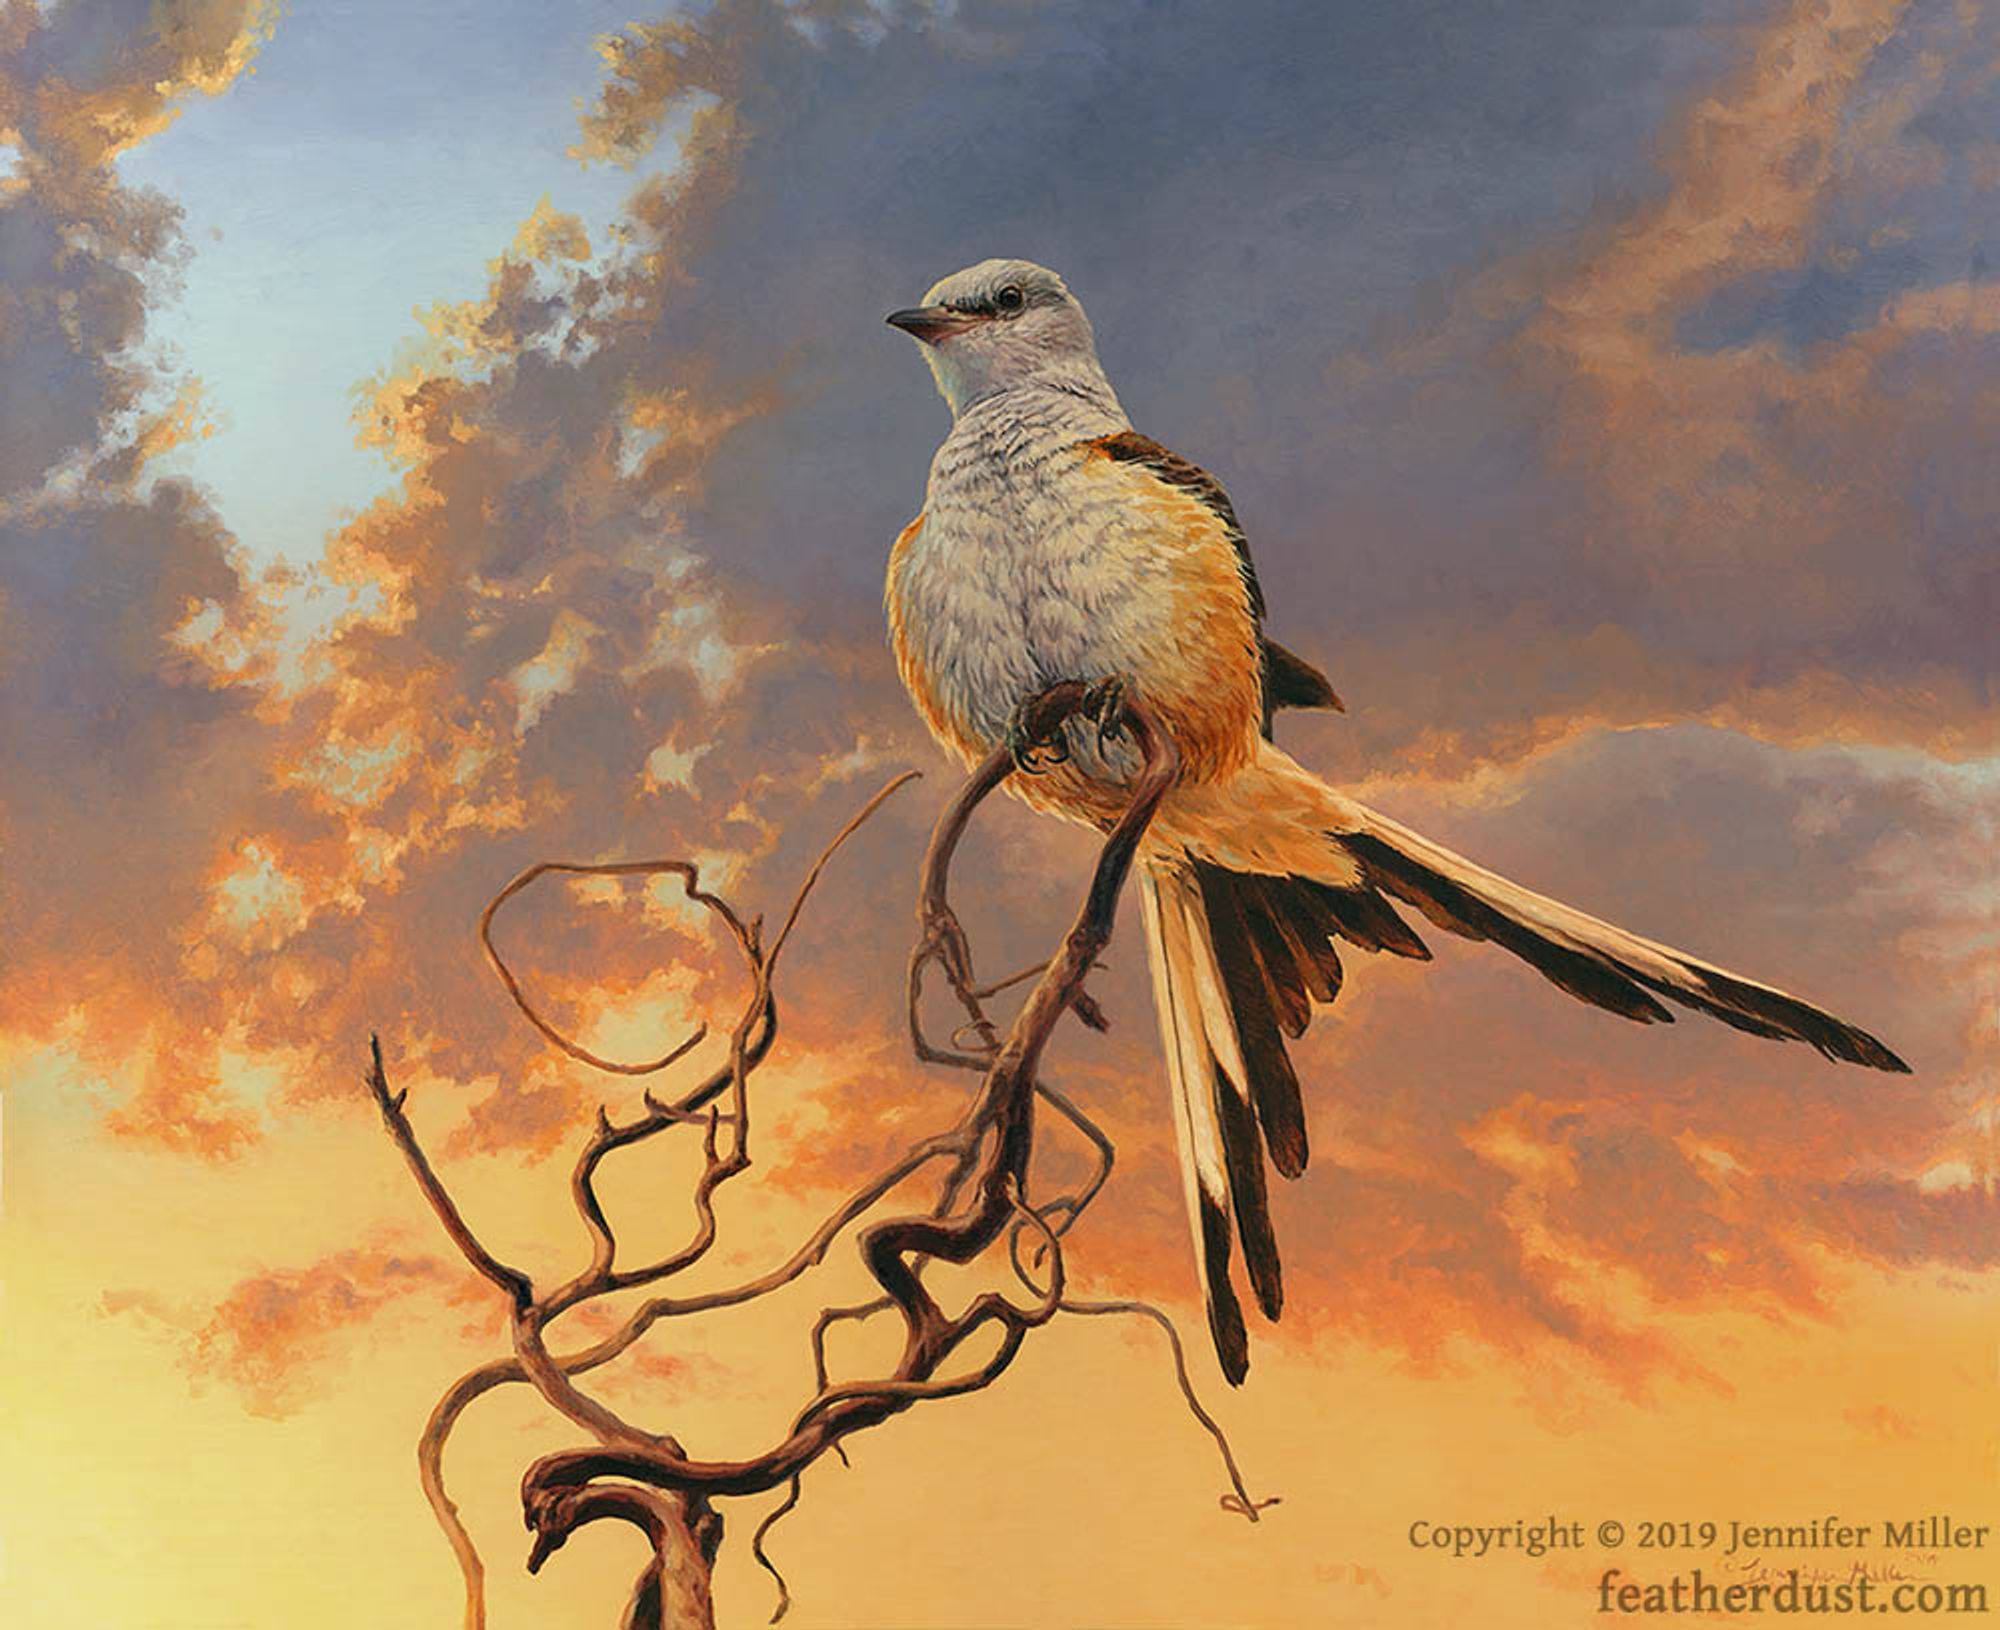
pixel 1104 704
pixel 1035 739
pixel 1019 748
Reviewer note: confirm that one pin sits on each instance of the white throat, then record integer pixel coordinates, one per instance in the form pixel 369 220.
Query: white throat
pixel 964 387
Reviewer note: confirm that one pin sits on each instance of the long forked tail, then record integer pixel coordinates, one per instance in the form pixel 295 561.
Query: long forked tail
pixel 1595 962
pixel 1235 1096
pixel 1241 944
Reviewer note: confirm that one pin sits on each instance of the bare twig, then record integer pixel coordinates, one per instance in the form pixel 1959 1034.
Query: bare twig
pixel 647 1479
pixel 1238 1500
pixel 771 1520
pixel 826 854
pixel 430 1472
pixel 511 1280
pixel 622 868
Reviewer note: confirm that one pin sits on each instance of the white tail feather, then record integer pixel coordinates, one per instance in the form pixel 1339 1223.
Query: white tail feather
pixel 1182 1030
pixel 1179 954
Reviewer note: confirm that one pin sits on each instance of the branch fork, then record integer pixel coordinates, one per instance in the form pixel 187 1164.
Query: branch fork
pixel 981 1199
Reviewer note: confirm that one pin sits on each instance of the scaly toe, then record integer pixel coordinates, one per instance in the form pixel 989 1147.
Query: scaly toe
pixel 1104 703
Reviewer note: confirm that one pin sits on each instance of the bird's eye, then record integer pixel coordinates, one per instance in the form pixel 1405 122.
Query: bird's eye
pixel 1009 299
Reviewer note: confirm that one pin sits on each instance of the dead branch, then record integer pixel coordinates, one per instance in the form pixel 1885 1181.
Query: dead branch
pixel 511 1280
pixel 751 1039
pixel 645 1478
pixel 624 868
pixel 667 1592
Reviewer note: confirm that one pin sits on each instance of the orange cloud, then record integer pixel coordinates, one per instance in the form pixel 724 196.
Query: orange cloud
pixel 276 1336
pixel 1880 1421
pixel 245 824
pixel 79 87
pixel 1746 503
pixel 1749 171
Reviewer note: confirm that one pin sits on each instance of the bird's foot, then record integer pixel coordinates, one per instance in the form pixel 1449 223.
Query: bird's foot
pixel 1104 705
pixel 1035 736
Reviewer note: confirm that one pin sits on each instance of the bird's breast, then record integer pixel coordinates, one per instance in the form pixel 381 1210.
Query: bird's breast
pixel 1034 562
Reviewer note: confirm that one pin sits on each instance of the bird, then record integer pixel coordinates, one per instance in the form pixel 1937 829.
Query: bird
pixel 1058 544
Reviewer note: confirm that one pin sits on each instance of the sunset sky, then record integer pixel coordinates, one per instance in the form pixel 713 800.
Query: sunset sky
pixel 439 437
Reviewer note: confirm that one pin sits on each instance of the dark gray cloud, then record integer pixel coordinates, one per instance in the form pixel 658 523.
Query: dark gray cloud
pixel 1241 195
pixel 125 754
pixel 1321 248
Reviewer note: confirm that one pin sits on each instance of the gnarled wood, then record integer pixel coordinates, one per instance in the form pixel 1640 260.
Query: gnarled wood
pixel 980 1202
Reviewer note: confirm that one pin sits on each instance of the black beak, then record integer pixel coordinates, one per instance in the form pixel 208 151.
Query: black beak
pixel 932 323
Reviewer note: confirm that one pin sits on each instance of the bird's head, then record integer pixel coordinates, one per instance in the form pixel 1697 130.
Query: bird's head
pixel 1000 325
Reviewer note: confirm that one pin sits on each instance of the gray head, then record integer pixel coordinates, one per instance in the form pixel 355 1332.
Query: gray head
pixel 1001 325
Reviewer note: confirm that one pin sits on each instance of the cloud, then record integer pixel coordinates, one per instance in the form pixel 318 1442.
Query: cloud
pixel 1682 1170
pixel 80 83
pixel 1529 453
pixel 1882 1421
pixel 124 747
pixel 271 1334
pixel 83 80
pixel 1742 406
pixel 277 1336
pixel 1503 479
pixel 222 831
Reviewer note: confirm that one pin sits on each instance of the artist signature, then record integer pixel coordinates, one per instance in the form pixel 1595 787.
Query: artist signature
pixel 1756 1571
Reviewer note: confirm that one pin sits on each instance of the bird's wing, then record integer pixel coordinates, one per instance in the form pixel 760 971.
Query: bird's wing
pixel 1289 680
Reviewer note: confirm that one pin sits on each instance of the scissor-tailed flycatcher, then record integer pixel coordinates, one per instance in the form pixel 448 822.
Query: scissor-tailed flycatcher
pixel 1057 543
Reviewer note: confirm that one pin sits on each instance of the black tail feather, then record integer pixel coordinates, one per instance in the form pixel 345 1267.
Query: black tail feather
pixel 1225 1313
pixel 1277 960
pixel 1363 916
pixel 1251 1200
pixel 1273 1086
pixel 1600 978
pixel 1290 914
pixel 1271 939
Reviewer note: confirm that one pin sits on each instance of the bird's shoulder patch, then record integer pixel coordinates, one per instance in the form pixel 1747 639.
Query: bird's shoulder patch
pixel 905 538
pixel 1130 447
pixel 1289 680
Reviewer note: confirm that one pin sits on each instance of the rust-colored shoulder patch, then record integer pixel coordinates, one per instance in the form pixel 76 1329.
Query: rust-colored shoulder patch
pixel 1289 680
pixel 1129 447
pixel 904 539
